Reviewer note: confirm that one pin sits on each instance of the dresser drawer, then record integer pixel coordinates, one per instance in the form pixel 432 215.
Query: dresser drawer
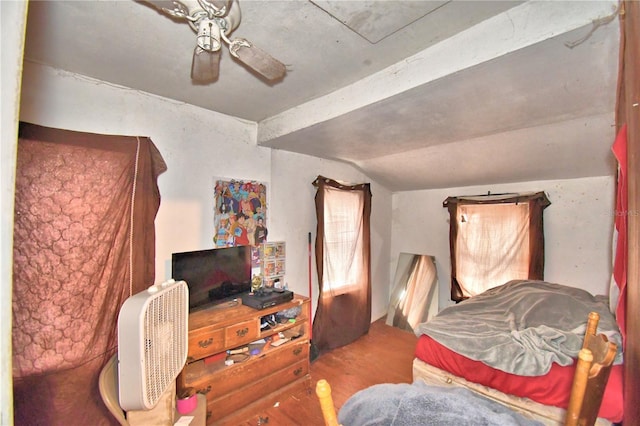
pixel 246 373
pixel 241 397
pixel 198 375
pixel 205 343
pixel 240 333
pixel 215 379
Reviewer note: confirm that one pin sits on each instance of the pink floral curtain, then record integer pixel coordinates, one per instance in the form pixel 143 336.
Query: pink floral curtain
pixel 84 241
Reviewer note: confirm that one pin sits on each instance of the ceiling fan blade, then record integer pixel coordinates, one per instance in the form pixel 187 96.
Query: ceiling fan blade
pixel 258 60
pixel 205 67
pixel 168 6
pixel 189 8
pixel 220 7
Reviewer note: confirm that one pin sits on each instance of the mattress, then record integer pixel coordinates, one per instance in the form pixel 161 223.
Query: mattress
pixel 550 392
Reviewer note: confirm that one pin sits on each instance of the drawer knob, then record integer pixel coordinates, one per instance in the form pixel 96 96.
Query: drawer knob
pixel 297 371
pixel 297 351
pixel 205 343
pixel 242 332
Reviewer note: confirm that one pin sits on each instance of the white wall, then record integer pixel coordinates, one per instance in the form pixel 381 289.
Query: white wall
pixel 200 146
pixel 578 228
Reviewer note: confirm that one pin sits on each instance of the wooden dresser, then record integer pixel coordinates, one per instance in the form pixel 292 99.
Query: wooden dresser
pixel 237 392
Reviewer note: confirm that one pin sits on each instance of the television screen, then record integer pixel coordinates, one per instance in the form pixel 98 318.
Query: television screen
pixel 214 275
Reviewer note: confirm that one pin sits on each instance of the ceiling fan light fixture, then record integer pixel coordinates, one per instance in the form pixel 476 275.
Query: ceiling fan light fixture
pixel 209 35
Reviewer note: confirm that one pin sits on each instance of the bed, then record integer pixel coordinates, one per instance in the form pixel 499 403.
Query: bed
pixel 516 344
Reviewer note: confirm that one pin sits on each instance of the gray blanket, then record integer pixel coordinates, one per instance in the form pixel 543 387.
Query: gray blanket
pixel 420 404
pixel 521 327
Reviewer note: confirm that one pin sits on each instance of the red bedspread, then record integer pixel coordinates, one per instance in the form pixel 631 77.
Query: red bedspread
pixel 553 388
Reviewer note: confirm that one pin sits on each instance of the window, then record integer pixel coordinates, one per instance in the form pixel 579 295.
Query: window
pixel 343 240
pixel 495 239
pixel 343 255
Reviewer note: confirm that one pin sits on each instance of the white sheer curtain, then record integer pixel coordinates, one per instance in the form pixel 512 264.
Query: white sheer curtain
pixel 493 245
pixel 343 242
pixel 493 239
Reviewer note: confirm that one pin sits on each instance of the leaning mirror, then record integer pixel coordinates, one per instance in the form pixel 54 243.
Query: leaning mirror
pixel 414 297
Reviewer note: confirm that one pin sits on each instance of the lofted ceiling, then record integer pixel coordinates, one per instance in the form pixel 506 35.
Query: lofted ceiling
pixel 417 94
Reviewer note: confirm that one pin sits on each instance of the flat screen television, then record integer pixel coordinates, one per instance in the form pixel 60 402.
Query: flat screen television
pixel 213 276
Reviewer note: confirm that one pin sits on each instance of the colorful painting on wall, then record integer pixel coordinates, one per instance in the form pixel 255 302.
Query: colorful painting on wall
pixel 240 217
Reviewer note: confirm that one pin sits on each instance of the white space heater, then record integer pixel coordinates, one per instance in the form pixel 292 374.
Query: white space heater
pixel 152 343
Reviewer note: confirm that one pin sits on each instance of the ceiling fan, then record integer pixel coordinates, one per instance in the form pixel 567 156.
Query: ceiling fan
pixel 213 21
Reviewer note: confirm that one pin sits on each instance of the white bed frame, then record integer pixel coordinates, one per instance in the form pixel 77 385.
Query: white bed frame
pixel 548 415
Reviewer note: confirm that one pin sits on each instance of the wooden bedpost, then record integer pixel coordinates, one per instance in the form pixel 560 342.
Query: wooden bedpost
pixel 323 390
pixel 585 359
pixel 592 328
pixel 590 378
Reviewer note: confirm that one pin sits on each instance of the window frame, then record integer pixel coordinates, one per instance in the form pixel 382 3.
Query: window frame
pixel 537 201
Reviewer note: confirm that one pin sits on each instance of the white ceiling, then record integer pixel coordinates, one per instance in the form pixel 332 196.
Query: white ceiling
pixel 417 94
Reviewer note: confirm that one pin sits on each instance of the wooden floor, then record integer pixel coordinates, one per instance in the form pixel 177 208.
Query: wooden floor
pixel 384 355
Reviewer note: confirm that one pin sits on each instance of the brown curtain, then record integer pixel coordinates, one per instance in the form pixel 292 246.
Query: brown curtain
pixel 343 315
pixel 537 202
pixel 628 112
pixel 84 241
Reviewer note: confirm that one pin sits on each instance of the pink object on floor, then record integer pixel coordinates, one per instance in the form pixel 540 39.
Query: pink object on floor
pixel 187 405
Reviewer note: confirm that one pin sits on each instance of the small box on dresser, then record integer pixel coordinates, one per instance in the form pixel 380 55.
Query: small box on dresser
pixel 239 391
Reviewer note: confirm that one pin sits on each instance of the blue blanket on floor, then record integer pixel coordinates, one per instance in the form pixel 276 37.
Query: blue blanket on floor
pixel 419 404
